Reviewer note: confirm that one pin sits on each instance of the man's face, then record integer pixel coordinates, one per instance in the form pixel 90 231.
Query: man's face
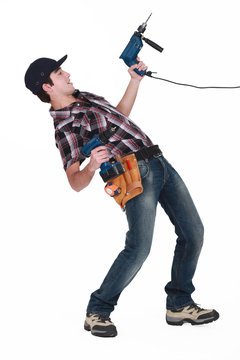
pixel 62 84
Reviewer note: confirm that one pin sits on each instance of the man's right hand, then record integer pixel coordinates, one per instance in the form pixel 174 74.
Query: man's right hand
pixel 98 156
pixel 79 179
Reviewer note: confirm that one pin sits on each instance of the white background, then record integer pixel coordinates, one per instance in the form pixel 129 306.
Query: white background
pixel 57 245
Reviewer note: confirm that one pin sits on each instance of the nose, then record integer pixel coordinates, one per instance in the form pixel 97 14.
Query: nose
pixel 67 74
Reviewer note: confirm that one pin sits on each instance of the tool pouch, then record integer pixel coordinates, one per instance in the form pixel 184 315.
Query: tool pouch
pixel 129 182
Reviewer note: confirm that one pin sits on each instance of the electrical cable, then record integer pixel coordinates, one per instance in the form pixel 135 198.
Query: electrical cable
pixel 149 74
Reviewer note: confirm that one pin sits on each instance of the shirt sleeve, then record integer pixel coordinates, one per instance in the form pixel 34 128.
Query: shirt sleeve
pixel 69 145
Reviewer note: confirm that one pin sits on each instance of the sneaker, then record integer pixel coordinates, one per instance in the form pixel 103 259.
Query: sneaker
pixel 100 325
pixel 192 314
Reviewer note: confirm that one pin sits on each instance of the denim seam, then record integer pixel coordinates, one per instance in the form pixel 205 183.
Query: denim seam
pixel 185 247
pixel 164 174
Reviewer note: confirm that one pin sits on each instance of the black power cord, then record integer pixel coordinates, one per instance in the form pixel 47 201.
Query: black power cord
pixel 149 74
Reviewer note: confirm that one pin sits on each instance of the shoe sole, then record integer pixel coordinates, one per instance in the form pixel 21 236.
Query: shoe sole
pixel 179 322
pixel 100 333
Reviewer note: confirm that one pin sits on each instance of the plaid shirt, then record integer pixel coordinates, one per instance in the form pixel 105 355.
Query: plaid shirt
pixel 77 123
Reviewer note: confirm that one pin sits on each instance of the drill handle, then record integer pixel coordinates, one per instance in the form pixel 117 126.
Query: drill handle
pixel 133 62
pixel 153 44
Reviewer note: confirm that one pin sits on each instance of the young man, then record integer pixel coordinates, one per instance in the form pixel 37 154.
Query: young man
pixel 78 116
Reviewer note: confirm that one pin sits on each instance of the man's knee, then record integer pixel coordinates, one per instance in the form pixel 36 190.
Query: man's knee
pixel 197 238
pixel 138 254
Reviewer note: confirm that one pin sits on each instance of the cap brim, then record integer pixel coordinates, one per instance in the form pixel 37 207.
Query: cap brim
pixel 59 62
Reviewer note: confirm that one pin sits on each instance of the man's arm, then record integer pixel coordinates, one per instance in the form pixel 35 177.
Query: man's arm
pixel 79 179
pixel 128 99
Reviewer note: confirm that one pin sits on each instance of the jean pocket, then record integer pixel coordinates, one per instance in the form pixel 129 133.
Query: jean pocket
pixel 143 168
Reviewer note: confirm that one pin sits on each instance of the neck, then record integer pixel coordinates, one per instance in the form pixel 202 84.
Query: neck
pixel 62 102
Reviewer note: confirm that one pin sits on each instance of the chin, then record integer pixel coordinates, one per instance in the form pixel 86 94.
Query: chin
pixel 70 90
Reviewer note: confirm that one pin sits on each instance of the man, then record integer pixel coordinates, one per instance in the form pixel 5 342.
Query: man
pixel 78 116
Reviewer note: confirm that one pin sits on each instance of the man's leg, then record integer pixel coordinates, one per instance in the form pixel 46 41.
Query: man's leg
pixel 178 204
pixel 140 212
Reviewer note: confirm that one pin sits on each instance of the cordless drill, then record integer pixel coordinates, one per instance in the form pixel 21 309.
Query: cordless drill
pixel 108 171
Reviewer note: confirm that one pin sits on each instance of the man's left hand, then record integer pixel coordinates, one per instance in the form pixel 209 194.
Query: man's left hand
pixel 140 66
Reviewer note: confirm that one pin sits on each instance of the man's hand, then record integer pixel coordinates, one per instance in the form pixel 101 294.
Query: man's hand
pixel 79 179
pixel 140 66
pixel 98 156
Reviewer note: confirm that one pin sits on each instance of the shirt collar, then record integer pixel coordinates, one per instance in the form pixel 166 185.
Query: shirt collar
pixel 64 113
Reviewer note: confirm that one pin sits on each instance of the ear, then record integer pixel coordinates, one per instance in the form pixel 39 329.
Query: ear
pixel 46 87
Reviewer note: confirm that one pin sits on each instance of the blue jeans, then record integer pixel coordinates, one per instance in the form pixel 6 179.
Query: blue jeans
pixel 161 184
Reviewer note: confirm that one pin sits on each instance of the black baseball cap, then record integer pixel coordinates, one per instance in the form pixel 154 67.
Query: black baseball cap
pixel 39 71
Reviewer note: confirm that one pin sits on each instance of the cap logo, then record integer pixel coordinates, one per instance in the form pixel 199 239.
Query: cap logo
pixel 42 74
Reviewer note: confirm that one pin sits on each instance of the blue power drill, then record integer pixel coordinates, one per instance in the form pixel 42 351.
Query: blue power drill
pixel 108 171
pixel 129 54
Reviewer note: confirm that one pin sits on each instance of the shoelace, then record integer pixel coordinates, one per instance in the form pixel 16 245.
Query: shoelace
pixel 103 318
pixel 196 307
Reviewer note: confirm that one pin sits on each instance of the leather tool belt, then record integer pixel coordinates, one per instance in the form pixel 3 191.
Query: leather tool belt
pixel 148 152
pixel 128 185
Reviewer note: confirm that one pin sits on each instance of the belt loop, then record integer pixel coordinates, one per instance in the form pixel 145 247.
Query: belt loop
pixel 145 153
